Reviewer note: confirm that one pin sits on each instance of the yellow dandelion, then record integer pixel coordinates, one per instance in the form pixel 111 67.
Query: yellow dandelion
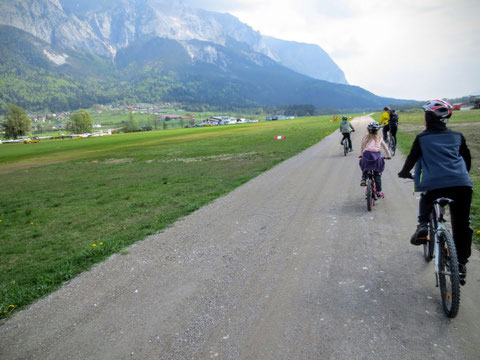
pixel 1 220
pixel 11 306
pixel 31 223
pixel 478 231
pixel 100 243
pixel 94 245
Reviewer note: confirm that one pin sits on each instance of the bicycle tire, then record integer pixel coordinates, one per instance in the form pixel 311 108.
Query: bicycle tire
pixel 393 146
pixel 345 147
pixel 428 248
pixel 449 277
pixel 369 195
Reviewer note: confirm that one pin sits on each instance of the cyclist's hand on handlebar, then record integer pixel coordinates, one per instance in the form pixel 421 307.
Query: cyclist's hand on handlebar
pixel 388 158
pixel 405 175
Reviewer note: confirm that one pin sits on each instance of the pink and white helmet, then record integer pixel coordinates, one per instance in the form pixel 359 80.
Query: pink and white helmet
pixel 440 108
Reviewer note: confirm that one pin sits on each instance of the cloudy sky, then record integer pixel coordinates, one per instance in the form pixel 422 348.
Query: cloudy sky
pixel 409 49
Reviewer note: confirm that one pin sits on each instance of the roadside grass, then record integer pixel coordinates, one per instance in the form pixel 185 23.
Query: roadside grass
pixel 466 122
pixel 68 204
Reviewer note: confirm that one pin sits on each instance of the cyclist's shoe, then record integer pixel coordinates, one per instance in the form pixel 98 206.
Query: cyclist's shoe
pixel 341 142
pixel 420 236
pixel 380 195
pixel 363 182
pixel 350 150
pixel 462 269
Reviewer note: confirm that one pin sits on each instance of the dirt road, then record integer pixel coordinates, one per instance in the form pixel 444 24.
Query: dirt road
pixel 289 266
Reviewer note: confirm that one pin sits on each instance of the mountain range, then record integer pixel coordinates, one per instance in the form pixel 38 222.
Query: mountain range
pixel 63 54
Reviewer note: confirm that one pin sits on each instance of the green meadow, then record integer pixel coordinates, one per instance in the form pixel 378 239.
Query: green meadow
pixel 68 204
pixel 468 123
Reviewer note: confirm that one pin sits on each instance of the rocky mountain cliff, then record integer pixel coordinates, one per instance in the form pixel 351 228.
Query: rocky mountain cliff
pixel 106 26
pixel 65 54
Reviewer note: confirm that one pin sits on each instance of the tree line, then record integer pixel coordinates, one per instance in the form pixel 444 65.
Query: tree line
pixel 16 122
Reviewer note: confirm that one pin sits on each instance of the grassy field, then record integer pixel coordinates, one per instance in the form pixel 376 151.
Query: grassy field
pixel 68 204
pixel 466 122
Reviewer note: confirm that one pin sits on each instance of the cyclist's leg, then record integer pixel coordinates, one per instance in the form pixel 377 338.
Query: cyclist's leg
pixel 349 140
pixel 363 182
pixel 385 130
pixel 460 219
pixel 425 204
pixel 344 136
pixel 378 180
pixel 393 131
pixel 424 208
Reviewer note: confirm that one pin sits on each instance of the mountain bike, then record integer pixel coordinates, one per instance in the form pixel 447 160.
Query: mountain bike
pixel 441 246
pixel 391 143
pixel 346 148
pixel 371 193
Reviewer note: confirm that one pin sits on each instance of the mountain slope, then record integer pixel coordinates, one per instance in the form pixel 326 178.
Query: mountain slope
pixel 106 26
pixel 153 51
pixel 307 59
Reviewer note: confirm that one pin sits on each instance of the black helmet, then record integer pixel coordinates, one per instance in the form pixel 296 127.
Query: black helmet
pixel 373 126
pixel 386 108
pixel 344 117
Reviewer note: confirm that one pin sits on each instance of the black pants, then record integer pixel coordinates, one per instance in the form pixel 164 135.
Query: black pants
pixel 385 129
pixel 378 179
pixel 393 131
pixel 347 136
pixel 459 213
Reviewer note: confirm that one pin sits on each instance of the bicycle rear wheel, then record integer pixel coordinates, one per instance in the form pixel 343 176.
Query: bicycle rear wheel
pixel 393 145
pixel 345 147
pixel 448 274
pixel 369 195
pixel 428 248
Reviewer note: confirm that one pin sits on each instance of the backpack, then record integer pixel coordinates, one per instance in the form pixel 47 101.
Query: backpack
pixel 393 119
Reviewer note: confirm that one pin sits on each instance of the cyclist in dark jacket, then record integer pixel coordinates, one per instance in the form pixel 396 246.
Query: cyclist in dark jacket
pixel 393 124
pixel 443 162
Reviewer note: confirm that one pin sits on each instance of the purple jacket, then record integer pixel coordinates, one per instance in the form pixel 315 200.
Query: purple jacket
pixel 372 160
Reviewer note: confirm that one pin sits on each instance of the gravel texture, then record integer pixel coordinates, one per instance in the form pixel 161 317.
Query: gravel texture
pixel 288 266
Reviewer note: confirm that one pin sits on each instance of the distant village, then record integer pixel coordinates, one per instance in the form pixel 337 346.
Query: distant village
pixel 59 121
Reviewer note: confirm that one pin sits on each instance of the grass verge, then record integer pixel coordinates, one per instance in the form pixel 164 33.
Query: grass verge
pixel 68 204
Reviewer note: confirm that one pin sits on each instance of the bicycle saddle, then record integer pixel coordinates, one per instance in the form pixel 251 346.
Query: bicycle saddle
pixel 443 201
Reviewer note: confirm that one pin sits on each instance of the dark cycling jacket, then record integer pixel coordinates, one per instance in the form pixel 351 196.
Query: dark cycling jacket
pixel 442 159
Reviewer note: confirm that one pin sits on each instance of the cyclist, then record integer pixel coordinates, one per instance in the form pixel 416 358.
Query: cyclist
pixel 384 120
pixel 442 165
pixel 371 158
pixel 345 129
pixel 393 124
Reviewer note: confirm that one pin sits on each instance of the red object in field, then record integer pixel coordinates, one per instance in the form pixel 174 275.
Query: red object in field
pixel 279 137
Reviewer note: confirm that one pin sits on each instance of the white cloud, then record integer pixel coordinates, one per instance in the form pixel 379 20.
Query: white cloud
pixel 405 49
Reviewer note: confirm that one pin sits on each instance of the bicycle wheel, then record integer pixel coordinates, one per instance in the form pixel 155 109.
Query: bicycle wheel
pixel 345 147
pixel 448 274
pixel 428 248
pixel 369 195
pixel 393 145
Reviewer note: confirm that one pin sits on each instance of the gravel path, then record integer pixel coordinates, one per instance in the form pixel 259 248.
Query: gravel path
pixel 288 266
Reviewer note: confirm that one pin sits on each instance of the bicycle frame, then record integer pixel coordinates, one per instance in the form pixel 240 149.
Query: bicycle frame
pixel 371 177
pixel 372 188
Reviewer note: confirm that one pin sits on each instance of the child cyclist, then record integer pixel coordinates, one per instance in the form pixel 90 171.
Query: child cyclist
pixel 443 162
pixel 345 129
pixel 371 158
